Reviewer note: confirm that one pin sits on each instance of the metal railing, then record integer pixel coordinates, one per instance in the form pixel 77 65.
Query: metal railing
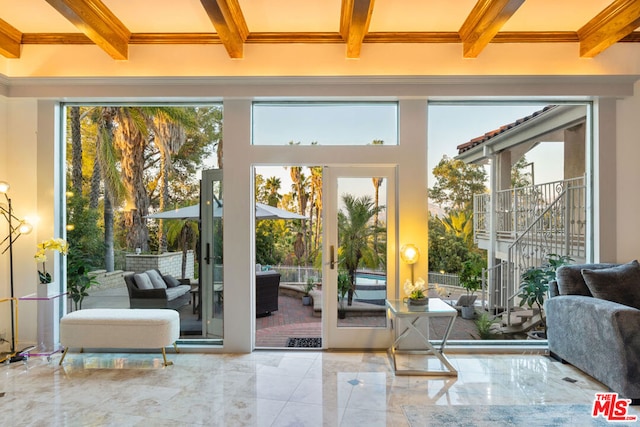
pixel 518 208
pixel 539 220
pixel 559 229
pixel 444 279
pixel 295 274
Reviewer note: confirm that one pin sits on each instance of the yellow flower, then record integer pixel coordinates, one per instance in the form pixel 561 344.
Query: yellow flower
pixel 54 244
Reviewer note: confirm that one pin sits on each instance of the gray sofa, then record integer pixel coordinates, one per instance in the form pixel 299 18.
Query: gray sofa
pixel 593 323
pixel 165 291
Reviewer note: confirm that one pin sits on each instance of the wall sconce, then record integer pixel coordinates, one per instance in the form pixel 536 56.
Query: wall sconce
pixel 17 227
pixel 410 254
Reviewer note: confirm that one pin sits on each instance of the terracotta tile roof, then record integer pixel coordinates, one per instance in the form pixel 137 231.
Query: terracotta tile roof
pixel 491 134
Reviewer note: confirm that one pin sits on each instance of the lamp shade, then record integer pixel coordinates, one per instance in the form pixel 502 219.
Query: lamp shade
pixel 409 253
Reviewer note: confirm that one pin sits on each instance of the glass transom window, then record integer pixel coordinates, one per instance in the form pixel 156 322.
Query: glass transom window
pixel 325 123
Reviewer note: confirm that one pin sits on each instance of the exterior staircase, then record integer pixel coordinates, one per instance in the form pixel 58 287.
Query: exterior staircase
pixel 530 223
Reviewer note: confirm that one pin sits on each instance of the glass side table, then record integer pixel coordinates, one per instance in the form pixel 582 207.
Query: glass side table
pixel 417 316
pixel 48 324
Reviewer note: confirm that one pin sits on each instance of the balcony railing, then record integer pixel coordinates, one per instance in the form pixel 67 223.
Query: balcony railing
pixel 518 208
pixel 537 221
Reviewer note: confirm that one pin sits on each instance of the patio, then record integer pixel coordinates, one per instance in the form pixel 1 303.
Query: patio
pixel 291 320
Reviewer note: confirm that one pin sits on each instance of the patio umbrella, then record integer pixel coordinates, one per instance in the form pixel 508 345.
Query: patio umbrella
pixel 193 212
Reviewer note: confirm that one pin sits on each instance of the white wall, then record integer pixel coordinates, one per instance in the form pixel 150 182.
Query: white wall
pixel 627 172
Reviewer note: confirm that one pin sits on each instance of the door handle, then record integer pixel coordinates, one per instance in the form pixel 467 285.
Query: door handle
pixel 207 258
pixel 332 260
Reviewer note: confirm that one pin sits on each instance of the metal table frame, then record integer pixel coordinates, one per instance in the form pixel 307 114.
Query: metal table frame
pixel 435 308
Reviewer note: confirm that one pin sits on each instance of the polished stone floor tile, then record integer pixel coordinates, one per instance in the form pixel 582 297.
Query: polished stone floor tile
pixel 294 388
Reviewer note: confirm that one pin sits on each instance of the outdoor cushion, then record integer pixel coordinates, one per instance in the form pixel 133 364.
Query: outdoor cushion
pixel 171 281
pixel 178 291
pixel 142 281
pixel 619 284
pixel 156 279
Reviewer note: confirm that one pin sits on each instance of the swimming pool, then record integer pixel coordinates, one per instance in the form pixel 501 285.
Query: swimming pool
pixel 371 288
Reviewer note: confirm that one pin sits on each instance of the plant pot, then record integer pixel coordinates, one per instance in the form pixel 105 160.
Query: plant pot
pixel 468 312
pixel 418 301
pixel 342 313
pixel 306 300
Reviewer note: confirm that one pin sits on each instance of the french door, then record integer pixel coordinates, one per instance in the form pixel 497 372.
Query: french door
pixel 359 242
pixel 211 259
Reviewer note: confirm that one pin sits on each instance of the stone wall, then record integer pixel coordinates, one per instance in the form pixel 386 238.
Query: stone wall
pixel 167 263
pixel 112 280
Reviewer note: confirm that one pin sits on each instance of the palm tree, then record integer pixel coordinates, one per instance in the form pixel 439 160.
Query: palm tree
pixel 355 232
pixel 168 137
pixel 300 193
pixel 460 224
pixel 135 125
pixel 272 186
pixel 377 183
pixel 316 206
pixel 185 234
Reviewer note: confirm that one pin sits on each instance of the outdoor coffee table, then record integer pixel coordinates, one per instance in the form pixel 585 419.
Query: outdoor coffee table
pixel 416 316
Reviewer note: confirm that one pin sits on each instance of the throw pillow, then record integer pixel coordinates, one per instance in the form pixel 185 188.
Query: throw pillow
pixel 619 284
pixel 156 279
pixel 171 281
pixel 142 281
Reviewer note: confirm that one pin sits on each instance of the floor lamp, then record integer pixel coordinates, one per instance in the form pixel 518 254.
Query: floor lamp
pixel 17 227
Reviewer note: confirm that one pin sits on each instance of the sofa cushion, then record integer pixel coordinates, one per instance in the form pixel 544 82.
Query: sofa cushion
pixel 177 292
pixel 171 281
pixel 570 280
pixel 142 281
pixel 619 284
pixel 156 279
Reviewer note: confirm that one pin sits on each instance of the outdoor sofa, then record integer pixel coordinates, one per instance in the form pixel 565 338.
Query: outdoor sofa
pixel 151 289
pixel 267 289
pixel 593 323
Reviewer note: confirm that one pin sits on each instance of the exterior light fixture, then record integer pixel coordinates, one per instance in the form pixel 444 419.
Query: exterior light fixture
pixel 410 254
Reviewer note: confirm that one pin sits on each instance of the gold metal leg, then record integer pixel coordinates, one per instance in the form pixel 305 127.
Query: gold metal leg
pixel 63 355
pixel 164 356
pixel 175 345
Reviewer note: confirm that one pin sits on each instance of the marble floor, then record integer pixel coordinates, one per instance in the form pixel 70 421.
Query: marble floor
pixel 293 388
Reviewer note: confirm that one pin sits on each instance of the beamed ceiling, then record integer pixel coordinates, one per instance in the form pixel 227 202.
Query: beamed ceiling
pixel 114 25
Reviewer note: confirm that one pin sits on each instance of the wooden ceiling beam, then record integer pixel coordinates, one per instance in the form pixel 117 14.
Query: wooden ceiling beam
pixel 355 17
pixel 615 22
pixel 228 20
pixel 483 23
pixel 98 23
pixel 10 39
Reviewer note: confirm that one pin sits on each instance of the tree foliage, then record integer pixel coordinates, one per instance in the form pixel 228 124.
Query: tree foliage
pixel 521 173
pixel 355 236
pixel 455 184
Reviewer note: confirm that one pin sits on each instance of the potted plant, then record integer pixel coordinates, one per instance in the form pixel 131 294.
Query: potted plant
pixel 470 279
pixel 534 287
pixel 344 285
pixel 308 287
pixel 78 283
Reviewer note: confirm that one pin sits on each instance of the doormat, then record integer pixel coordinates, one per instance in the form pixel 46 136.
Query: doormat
pixel 304 342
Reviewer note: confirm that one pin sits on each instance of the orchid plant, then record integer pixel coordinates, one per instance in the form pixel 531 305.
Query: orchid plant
pixel 54 244
pixel 415 290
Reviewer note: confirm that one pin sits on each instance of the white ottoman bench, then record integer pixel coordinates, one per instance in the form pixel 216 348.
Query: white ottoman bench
pixel 120 328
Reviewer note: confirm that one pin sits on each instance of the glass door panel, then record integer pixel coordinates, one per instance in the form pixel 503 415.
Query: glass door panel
pixel 358 274
pixel 211 261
